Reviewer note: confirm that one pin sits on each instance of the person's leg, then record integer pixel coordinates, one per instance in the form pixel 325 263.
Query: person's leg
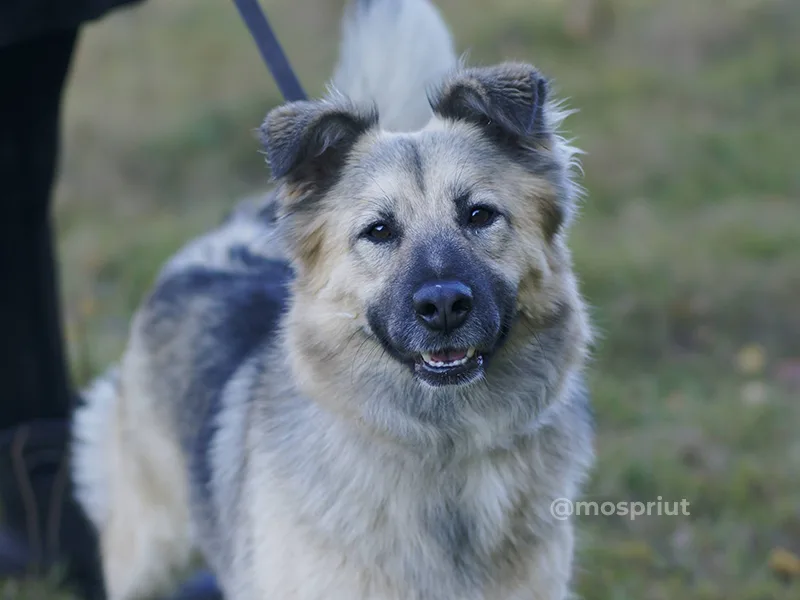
pixel 31 350
pixel 41 522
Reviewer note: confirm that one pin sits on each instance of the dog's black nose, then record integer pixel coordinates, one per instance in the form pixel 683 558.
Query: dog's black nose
pixel 443 305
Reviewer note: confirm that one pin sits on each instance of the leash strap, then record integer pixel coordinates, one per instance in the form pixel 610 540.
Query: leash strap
pixel 270 49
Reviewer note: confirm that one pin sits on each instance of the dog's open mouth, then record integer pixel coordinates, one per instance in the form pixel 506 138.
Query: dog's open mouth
pixel 449 367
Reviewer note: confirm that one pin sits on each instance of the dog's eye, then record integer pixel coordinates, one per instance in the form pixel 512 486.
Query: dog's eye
pixel 481 216
pixel 379 232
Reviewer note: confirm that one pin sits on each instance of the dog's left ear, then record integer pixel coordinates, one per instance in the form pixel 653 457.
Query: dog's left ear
pixel 509 103
pixel 507 100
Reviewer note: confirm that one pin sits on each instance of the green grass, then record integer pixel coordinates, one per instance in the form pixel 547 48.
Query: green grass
pixel 688 244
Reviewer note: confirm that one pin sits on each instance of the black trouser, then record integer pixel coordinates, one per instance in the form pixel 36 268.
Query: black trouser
pixel 34 383
pixel 35 397
pixel 34 388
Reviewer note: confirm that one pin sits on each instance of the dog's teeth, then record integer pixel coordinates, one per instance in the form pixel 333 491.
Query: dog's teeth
pixel 427 357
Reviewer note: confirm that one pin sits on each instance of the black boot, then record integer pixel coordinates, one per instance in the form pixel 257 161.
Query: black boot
pixel 43 527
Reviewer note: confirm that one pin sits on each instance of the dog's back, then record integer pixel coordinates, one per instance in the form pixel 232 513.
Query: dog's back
pixel 141 458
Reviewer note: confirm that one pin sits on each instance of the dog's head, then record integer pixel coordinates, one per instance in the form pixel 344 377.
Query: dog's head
pixel 434 245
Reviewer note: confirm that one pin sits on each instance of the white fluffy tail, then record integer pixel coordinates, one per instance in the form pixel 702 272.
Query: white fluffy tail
pixel 391 52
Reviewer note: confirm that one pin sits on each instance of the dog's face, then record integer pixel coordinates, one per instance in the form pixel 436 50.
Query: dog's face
pixel 434 241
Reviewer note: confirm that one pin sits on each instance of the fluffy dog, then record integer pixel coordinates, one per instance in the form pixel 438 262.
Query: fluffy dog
pixel 371 388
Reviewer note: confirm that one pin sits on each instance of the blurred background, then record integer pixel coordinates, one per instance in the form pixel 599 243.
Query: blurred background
pixel 688 245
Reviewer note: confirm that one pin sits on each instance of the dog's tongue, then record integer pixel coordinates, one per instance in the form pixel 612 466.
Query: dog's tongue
pixel 449 356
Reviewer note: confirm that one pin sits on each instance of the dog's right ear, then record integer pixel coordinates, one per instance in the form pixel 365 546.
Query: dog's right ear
pixel 306 143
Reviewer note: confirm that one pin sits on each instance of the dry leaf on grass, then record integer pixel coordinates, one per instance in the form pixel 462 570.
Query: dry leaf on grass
pixel 751 359
pixel 784 563
pixel 754 393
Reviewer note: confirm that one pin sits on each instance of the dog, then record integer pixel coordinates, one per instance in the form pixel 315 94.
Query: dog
pixel 370 386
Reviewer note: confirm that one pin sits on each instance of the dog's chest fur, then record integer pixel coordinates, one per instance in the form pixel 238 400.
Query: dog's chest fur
pixel 395 524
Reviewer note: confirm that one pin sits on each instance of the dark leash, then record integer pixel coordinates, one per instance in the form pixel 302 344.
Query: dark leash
pixel 203 585
pixel 270 49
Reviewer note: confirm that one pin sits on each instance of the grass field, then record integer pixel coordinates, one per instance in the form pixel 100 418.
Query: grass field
pixel 688 245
